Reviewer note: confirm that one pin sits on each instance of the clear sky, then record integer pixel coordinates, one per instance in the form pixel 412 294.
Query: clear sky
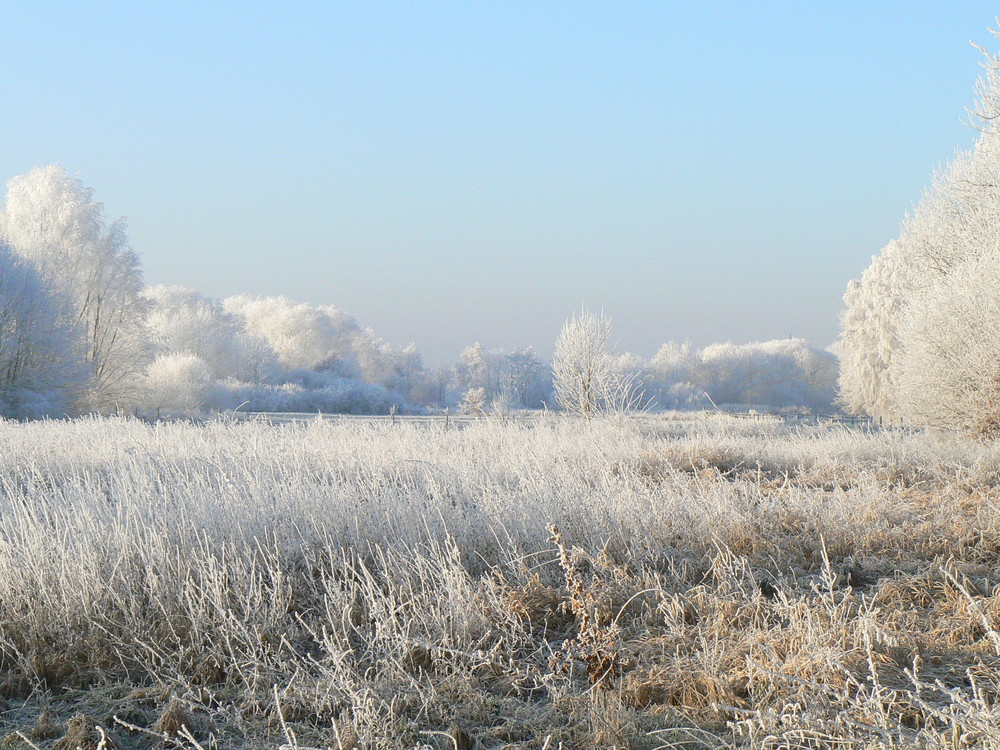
pixel 449 172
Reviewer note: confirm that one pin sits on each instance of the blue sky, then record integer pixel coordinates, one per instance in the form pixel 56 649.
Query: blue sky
pixel 453 172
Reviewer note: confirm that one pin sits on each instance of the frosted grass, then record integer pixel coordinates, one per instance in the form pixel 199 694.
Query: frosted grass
pixel 386 581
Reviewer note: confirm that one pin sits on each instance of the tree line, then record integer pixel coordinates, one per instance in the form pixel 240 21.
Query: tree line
pixel 80 332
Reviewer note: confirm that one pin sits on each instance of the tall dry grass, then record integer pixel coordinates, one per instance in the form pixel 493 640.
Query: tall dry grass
pixel 643 583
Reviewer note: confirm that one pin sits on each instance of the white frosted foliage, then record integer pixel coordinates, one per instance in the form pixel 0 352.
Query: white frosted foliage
pixel 40 372
pixel 179 383
pixel 919 329
pixel 587 377
pixel 51 219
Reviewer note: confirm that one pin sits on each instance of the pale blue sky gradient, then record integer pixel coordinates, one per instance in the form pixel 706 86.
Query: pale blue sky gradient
pixel 453 172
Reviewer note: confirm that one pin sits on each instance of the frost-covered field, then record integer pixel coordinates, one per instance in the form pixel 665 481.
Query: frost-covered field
pixel 646 582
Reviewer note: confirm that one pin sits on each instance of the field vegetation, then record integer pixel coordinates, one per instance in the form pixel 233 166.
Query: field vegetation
pixel 644 582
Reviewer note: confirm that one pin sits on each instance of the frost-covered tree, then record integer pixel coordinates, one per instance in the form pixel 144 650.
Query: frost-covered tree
pixel 304 336
pixel 675 378
pixel 52 220
pixel 182 321
pixel 527 379
pixel 892 357
pixel 472 369
pixel 774 374
pixel 516 377
pixel 949 370
pixel 381 364
pixel 409 369
pixel 585 374
pixel 433 386
pixel 40 371
pixel 869 333
pixel 675 362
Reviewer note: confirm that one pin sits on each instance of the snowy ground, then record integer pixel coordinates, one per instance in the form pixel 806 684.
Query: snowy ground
pixel 698 581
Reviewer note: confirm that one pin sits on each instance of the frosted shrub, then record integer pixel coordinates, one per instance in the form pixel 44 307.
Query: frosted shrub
pixel 332 395
pixel 473 402
pixel 179 384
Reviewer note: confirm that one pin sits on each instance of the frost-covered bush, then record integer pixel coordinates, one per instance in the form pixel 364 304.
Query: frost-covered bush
pixel 780 373
pixel 473 402
pixel 179 384
pixel 587 377
pixel 335 395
